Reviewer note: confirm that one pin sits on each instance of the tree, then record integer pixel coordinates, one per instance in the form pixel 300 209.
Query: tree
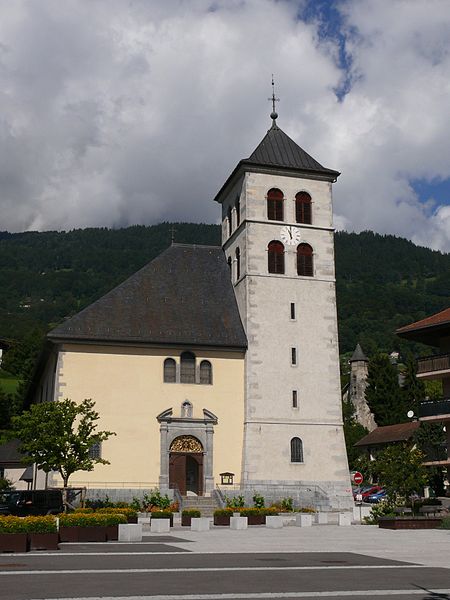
pixel 413 390
pixel 58 436
pixel 383 393
pixel 353 432
pixel 400 470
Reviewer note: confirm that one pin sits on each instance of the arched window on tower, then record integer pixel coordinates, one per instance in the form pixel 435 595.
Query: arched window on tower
pixel 170 371
pixel 305 264
pixel 205 372
pixel 296 450
pixel 230 221
pixel 237 207
pixel 275 201
pixel 187 367
pixel 238 264
pixel 275 257
pixel 303 208
pixel 230 263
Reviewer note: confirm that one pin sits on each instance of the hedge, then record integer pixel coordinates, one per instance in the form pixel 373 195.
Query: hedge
pixel 91 520
pixel 44 524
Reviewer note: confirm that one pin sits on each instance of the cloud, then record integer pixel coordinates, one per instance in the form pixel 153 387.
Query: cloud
pixel 114 113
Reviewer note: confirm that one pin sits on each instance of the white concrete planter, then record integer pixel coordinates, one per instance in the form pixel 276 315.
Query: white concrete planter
pixel 200 524
pixel 160 525
pixel 274 522
pixel 321 518
pixel 131 532
pixel 303 520
pixel 345 519
pixel 238 522
pixel 144 520
pixel 359 512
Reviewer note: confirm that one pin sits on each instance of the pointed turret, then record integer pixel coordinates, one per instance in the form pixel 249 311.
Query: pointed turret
pixel 358 355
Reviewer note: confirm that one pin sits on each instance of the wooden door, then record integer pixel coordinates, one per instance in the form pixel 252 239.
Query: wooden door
pixel 177 472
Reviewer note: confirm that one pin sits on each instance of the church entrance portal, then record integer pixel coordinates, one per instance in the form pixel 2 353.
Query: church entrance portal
pixel 186 465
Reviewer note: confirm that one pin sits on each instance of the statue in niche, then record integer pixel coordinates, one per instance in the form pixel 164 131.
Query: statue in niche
pixel 186 410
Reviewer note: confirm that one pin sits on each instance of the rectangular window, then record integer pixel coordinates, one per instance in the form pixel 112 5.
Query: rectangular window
pixel 292 310
pixel 293 356
pixel 294 399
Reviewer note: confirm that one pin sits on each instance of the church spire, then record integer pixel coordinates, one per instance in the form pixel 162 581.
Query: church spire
pixel 273 99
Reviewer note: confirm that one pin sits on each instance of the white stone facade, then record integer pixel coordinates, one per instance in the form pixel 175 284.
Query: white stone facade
pixel 264 301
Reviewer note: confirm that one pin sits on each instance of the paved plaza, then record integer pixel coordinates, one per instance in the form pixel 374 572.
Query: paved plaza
pixel 258 563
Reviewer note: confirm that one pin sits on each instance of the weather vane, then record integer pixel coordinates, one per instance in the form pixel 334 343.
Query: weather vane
pixel 273 114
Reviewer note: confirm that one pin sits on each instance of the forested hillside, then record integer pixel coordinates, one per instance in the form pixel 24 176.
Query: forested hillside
pixel 382 281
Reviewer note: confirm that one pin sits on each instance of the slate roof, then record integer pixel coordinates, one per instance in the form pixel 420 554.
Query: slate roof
pixel 358 354
pixel 182 297
pixel 428 330
pixel 400 432
pixel 278 150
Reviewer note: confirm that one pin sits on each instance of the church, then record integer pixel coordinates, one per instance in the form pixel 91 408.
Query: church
pixel 220 365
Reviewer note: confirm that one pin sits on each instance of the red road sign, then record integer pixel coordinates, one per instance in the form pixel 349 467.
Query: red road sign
pixel 358 478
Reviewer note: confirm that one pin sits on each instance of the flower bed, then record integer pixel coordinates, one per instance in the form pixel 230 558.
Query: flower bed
pixel 188 515
pixel 96 527
pixel 18 534
pixel 130 513
pixel 409 522
pixel 222 516
pixel 162 514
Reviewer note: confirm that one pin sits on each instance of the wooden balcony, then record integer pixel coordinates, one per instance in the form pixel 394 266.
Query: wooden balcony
pixel 434 366
pixel 435 410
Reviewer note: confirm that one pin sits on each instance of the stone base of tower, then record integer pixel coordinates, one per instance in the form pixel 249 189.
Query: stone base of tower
pixel 320 495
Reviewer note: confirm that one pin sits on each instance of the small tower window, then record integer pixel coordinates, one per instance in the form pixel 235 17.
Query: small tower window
pixel 275 257
pixel 170 371
pixel 187 367
pixel 293 356
pixel 230 221
pixel 296 450
pixel 293 311
pixel 237 206
pixel 305 265
pixel 294 399
pixel 230 263
pixel 303 208
pixel 205 372
pixel 238 263
pixel 275 201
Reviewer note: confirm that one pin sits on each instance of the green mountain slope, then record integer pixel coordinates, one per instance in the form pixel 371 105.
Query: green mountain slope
pixel 382 281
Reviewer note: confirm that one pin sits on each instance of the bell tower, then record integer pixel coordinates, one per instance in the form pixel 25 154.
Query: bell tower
pixel 277 235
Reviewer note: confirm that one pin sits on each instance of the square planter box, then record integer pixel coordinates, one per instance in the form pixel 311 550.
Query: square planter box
pixel 409 522
pixel 186 521
pixel 82 534
pixel 223 520
pixel 170 518
pixel 13 542
pixel 132 520
pixel 256 519
pixel 43 541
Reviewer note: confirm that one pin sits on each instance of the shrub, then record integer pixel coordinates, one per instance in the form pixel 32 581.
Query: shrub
pixel 84 511
pixel 5 484
pixel 287 505
pixel 222 512
pixel 128 512
pixel 236 502
pixel 161 514
pixel 191 513
pixel 306 509
pixel 154 500
pixel 258 501
pixel 445 524
pixel 99 503
pixel 247 512
pixel 44 524
pixel 384 508
pixel 91 520
pixel 174 507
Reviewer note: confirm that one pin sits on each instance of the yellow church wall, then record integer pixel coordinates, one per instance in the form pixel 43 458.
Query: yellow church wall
pixel 128 389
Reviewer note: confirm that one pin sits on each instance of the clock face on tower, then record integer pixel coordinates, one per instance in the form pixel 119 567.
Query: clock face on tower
pixel 290 235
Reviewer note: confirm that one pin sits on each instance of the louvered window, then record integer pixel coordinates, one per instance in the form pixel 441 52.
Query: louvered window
pixel 237 206
pixel 170 370
pixel 238 263
pixel 296 450
pixel 205 372
pixel 303 208
pixel 275 257
pixel 305 265
pixel 187 367
pixel 275 204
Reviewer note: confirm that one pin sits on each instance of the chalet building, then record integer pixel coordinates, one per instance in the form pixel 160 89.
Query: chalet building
pixel 221 360
pixel 434 331
pixel 387 435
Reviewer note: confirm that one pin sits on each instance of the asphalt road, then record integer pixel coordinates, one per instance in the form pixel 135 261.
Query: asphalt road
pixel 161 571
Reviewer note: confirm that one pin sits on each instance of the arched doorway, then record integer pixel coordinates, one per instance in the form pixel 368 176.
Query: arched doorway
pixel 186 464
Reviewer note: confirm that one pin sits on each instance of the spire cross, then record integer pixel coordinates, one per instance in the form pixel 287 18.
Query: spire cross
pixel 274 114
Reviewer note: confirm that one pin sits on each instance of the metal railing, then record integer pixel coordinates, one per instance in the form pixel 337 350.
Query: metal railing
pixel 432 408
pixel 428 364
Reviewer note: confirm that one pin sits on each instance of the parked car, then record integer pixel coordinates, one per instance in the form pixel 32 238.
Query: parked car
pixel 374 498
pixel 372 490
pixel 361 490
pixel 31 502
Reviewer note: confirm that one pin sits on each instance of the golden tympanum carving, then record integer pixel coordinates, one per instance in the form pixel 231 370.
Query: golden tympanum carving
pixel 186 443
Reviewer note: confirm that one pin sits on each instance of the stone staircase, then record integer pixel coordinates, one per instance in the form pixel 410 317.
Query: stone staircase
pixel 205 504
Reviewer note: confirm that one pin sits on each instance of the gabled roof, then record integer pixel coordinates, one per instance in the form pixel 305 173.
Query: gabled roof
pixel 277 152
pixel 358 355
pixel 182 297
pixel 400 432
pixel 428 330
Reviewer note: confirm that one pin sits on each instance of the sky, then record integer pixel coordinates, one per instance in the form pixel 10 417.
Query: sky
pixel 121 112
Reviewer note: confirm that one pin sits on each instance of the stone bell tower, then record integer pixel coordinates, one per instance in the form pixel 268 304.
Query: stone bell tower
pixel 277 235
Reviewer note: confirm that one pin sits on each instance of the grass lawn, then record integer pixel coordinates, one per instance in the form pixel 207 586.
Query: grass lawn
pixel 8 382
